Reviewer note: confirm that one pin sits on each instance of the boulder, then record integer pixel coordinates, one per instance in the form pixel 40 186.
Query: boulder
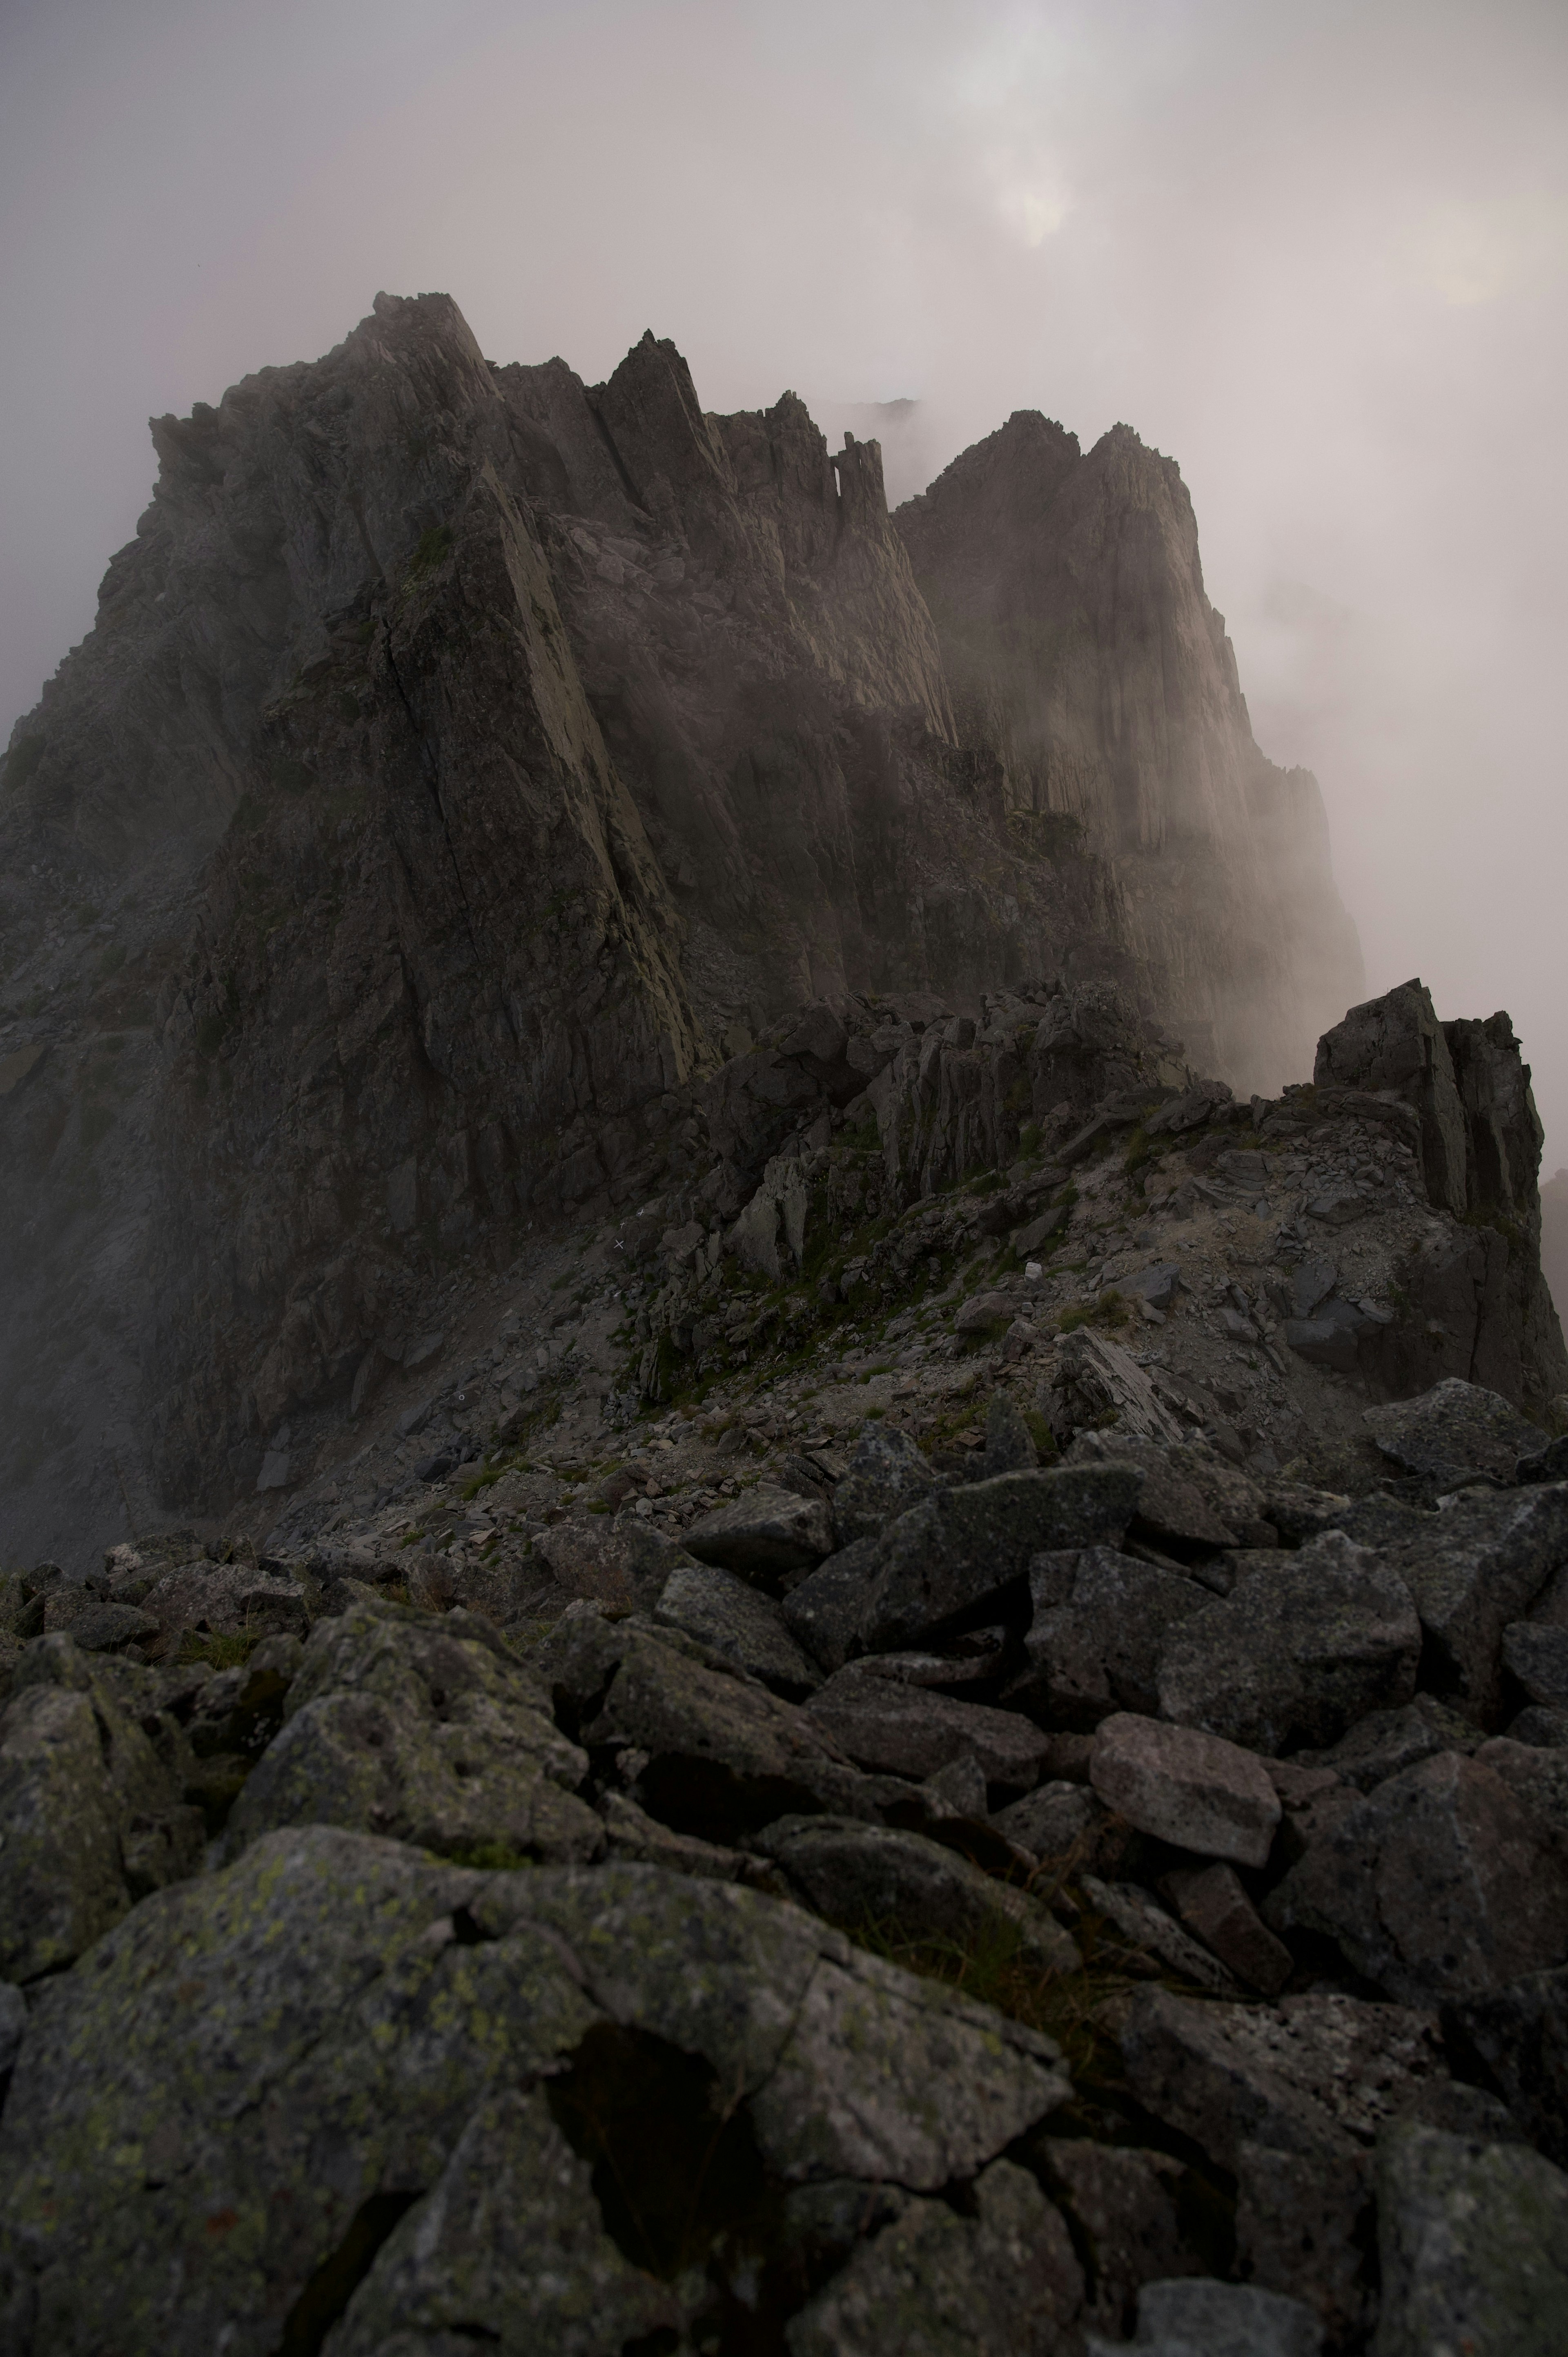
pixel 1098 1383
pixel 1453 1433
pixel 906 1886
pixel 1517 2037
pixel 1473 1570
pixel 1000 2280
pixel 1221 2319
pixel 888 1725
pixel 428 1730
pixel 1537 1776
pixel 824 1610
pixel 1316 2075
pixel 1098 1651
pixel 1298 1653
pixel 957 1554
pixel 699 1745
pixel 983 1313
pixel 476 2052
pixel 1382 1744
pixel 1213 1905
pixel 763 1534
pixel 1131 2206
pixel 1188 1788
pixel 1538 1658
pixel 1472 2244
pixel 1158 1940
pixel 1065 1827
pixel 886 1475
pixel 733 1618
pixel 91 1818
pixel 1438 1883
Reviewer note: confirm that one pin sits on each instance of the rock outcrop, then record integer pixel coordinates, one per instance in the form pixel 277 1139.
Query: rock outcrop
pixel 462 760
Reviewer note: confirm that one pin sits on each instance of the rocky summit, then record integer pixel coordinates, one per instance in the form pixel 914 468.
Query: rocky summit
pixel 793 1551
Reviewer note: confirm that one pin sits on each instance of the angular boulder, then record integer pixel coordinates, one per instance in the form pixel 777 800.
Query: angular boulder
pixel 1193 1790
pixel 824 1610
pixel 1295 1654
pixel 1453 1433
pixel 429 1730
pixel 476 2052
pixel 763 1534
pixel 906 1886
pixel 1473 2247
pixel 890 1726
pixel 1098 1651
pixel 731 1618
pixel 960 1550
pixel 1517 2037
pixel 887 1474
pixel 1473 1569
pixel 1437 1884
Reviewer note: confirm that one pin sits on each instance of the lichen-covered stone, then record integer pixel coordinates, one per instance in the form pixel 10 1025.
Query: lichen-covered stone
pixel 218 2122
pixel 1473 2243
pixel 887 1474
pixel 890 1725
pixel 425 1730
pixel 763 1534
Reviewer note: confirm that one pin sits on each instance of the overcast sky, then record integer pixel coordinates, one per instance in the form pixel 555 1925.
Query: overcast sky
pixel 1316 252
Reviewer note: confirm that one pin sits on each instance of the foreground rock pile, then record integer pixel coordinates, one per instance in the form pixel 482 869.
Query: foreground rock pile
pixel 1120 1900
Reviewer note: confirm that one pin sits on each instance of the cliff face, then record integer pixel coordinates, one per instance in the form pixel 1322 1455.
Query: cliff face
pixel 1080 646
pixel 464 759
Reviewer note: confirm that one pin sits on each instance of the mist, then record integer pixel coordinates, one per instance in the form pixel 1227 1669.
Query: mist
pixel 1318 254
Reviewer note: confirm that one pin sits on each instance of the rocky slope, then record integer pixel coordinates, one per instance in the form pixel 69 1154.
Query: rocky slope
pixel 898 1750
pixel 465 761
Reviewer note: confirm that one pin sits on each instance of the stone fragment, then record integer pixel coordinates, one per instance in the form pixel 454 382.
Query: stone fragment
pixel 763 1534
pixel 1188 1788
pixel 960 1550
pixel 611 1560
pixel 1296 1654
pixel 1098 1650
pixel 1128 2203
pixel 1538 1658
pixel 1149 1929
pixel 1452 1433
pixel 906 1887
pixel 886 1724
pixel 1472 1570
pixel 429 1730
pixel 887 1474
pixel 1220 2319
pixel 97 1626
pixel 1157 1284
pixel 733 1618
pixel 1003 2282
pixel 1473 2247
pixel 1518 2036
pixel 1212 1904
pixel 1539 1725
pixel 1438 1883
pixel 824 1609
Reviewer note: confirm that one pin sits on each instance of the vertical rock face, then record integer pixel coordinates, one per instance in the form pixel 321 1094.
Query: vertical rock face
pixel 1490 1314
pixel 464 759
pixel 1081 648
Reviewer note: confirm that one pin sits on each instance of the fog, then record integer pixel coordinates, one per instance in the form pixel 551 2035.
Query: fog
pixel 1318 253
